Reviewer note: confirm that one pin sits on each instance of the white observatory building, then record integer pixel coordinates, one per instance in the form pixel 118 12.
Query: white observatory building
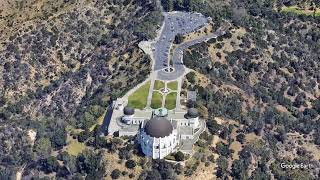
pixel 157 137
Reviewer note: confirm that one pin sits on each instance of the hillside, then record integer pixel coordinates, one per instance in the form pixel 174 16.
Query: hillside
pixel 61 61
pixel 263 75
pixel 258 88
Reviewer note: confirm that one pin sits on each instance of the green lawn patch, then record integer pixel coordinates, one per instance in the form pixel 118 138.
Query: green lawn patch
pixel 75 147
pixel 171 101
pixel 173 85
pixel 298 11
pixel 158 85
pixel 138 99
pixel 156 101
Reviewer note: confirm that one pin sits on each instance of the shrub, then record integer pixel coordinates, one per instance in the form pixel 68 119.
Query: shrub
pixel 191 77
pixel 115 174
pixel 179 156
pixel 131 164
pixel 131 175
pixel 240 138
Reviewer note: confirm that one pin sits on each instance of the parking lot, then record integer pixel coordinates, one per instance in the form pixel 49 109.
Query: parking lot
pixel 175 23
pixel 178 22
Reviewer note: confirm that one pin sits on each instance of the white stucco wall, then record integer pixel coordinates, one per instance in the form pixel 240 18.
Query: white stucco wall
pixel 158 148
pixel 192 122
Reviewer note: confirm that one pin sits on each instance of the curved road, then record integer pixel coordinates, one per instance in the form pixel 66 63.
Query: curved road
pixel 177 57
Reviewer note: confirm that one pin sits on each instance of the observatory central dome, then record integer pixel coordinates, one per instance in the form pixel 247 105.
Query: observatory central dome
pixel 158 127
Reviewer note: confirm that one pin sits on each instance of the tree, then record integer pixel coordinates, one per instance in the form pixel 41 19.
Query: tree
pixel 179 156
pixel 50 164
pixel 83 136
pixel 43 147
pixel 115 174
pixel 317 105
pixel 223 149
pixel 191 76
pixel 91 164
pixel 71 163
pixel 153 175
pixel 88 120
pixel 178 5
pixel 178 39
pixel 167 5
pixel 59 138
pixel 131 164
pixel 238 170
pixel 311 112
pixel 241 138
pixel 222 163
pixel 6 173
pixel 213 126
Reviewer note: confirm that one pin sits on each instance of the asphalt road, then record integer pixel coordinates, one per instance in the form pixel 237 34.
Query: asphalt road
pixel 107 118
pixel 177 57
pixel 176 23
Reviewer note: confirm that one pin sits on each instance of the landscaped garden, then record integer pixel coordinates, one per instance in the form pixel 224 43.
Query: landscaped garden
pixel 171 100
pixel 156 101
pixel 173 85
pixel 158 85
pixel 139 98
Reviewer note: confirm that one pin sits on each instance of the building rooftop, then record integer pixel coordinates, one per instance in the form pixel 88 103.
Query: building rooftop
pixel 131 128
pixel 192 95
pixel 192 113
pixel 128 110
pixel 142 114
pixel 186 146
pixel 186 130
pixel 176 115
pixel 162 112
pixel 158 127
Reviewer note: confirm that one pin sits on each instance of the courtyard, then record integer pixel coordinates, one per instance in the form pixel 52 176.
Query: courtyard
pixel 163 94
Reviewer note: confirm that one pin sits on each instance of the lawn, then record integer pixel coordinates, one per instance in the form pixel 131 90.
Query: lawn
pixel 156 101
pixel 138 99
pixel 173 85
pixel 296 10
pixel 74 147
pixel 171 101
pixel 158 85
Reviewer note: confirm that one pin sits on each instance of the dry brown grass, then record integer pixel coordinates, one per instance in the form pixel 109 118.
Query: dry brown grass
pixel 251 137
pixel 113 162
pixel 236 147
pixel 202 79
pixel 228 47
pixel 200 32
pixel 18 13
